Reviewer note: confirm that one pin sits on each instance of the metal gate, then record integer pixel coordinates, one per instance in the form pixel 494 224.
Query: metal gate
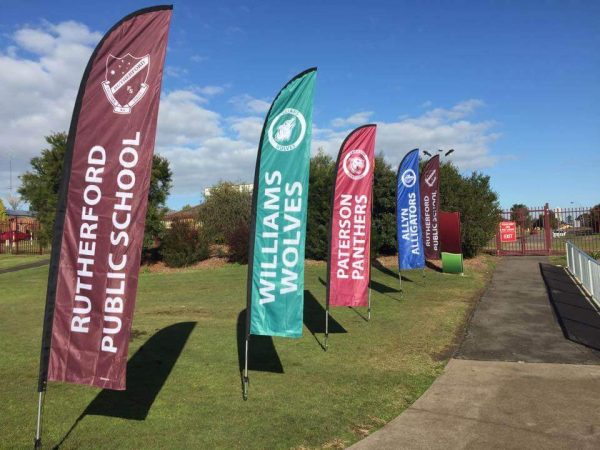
pixel 533 232
pixel 545 230
pixel 19 236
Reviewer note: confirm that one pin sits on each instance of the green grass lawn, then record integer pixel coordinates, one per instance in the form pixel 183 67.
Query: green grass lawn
pixel 7 261
pixel 371 373
pixel 588 243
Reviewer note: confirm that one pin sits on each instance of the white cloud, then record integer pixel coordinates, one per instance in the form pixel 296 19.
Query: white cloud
pixel 359 118
pixel 42 68
pixel 182 119
pixel 436 128
pixel 248 104
pixel 198 58
pixel 176 72
pixel 39 78
pixel 209 91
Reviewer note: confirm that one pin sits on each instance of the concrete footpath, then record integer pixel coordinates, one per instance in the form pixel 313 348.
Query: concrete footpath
pixel 516 382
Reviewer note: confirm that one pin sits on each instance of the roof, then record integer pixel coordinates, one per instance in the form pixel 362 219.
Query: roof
pixel 188 213
pixel 19 213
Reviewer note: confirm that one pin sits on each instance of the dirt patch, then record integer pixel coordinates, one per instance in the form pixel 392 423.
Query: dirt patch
pixel 314 262
pixel 388 261
pixel 182 310
pixel 479 263
pixel 335 443
pixel 161 267
pixel 135 333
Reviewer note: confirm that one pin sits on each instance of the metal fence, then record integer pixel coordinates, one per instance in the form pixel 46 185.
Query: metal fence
pixel 544 230
pixel 20 236
pixel 585 269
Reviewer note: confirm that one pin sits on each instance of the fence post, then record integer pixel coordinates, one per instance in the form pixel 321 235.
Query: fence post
pixel 17 235
pixel 521 217
pixel 547 229
pixel 591 274
pixel 498 241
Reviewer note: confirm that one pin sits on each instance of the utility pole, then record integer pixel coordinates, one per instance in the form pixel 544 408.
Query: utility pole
pixel 10 170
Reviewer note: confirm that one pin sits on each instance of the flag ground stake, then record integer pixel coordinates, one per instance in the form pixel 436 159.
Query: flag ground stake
pixel 246 380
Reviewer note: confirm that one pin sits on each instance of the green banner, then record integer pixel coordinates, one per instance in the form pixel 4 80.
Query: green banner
pixel 276 260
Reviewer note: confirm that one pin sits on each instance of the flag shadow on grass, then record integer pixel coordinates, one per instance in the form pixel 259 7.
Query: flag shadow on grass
pixel 387 271
pixel 378 287
pixel 147 372
pixel 314 318
pixel 262 355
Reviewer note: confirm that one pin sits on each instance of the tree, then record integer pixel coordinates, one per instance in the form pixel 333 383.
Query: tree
pixel 322 173
pixel 520 213
pixel 539 222
pixel 184 244
pixel 595 218
pixel 40 186
pixel 3 215
pixel 478 205
pixel 223 210
pixel 383 232
pixel 160 186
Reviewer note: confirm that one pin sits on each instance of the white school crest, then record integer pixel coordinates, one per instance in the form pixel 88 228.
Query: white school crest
pixel 431 177
pixel 125 81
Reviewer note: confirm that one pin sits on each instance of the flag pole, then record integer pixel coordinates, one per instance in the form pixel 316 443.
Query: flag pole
pixel 246 380
pixel 369 307
pixel 400 281
pixel 38 429
pixel 326 326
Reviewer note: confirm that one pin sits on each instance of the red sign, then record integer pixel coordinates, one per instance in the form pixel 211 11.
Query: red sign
pixel 450 234
pixel 349 250
pixel 109 155
pixel 508 231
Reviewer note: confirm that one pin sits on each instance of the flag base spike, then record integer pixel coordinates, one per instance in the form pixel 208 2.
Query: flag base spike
pixel 37 443
pixel 368 314
pixel 246 382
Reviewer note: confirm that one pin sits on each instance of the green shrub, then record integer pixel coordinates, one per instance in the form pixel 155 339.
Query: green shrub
pixel 184 244
pixel 238 242
pixel 226 205
pixel 478 205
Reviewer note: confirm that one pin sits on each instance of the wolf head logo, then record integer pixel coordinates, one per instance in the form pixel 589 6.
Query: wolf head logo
pixel 284 131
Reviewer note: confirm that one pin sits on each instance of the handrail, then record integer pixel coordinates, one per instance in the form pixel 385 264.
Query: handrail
pixel 585 269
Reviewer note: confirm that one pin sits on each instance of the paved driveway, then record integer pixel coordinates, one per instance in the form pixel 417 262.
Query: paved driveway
pixel 517 382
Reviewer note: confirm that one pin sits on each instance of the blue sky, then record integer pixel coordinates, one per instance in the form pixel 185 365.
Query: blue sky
pixel 514 87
